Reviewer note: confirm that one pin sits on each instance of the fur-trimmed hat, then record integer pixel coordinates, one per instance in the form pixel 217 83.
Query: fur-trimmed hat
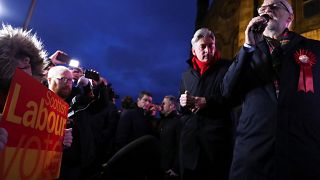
pixel 14 42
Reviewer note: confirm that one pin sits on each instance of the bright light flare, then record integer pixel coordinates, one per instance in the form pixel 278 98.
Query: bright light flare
pixel 74 63
pixel 3 10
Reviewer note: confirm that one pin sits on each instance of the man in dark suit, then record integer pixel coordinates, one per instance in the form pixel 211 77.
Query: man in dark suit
pixel 277 74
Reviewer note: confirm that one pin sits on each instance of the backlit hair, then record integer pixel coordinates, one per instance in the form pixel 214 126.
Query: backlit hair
pixel 57 71
pixel 172 99
pixel 142 93
pixel 201 33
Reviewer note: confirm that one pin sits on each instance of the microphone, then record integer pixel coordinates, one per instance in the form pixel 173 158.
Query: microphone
pixel 259 27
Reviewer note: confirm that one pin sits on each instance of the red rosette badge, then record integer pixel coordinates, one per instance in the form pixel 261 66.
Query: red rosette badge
pixel 306 59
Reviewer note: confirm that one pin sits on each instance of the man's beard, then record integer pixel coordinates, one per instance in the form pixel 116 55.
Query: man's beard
pixel 62 92
pixel 273 26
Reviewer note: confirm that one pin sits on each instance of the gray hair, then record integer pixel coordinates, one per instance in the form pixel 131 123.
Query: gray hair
pixel 201 33
pixel 172 99
pixel 287 5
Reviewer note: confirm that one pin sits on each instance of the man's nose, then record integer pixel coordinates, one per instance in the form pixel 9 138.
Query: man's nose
pixel 207 49
pixel 268 9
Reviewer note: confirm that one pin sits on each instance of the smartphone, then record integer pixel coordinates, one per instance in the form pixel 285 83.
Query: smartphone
pixel 63 58
pixel 91 74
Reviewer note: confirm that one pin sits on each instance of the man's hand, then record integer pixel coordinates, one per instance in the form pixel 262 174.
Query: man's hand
pixel 250 37
pixel 67 139
pixel 200 102
pixel 170 172
pixel 54 57
pixel 194 103
pixel 83 81
pixel 3 138
pixel 186 100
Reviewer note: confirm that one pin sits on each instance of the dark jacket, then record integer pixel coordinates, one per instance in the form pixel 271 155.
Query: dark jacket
pixel 84 115
pixel 206 135
pixel 104 125
pixel 133 123
pixel 169 130
pixel 275 134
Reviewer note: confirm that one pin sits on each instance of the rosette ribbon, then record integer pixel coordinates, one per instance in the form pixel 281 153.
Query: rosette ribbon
pixel 305 59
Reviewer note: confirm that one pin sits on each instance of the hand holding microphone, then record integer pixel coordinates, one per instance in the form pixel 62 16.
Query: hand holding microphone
pixel 261 25
pixel 255 29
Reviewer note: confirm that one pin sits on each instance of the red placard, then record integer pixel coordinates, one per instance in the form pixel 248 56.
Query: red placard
pixel 35 119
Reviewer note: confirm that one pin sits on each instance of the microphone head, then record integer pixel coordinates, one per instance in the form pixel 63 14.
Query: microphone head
pixel 259 27
pixel 266 17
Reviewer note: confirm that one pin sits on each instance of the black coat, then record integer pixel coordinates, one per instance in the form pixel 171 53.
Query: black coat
pixel 133 123
pixel 79 160
pixel 104 126
pixel 275 134
pixel 205 145
pixel 169 131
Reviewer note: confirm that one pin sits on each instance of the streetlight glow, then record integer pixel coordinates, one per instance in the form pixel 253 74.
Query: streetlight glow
pixel 2 10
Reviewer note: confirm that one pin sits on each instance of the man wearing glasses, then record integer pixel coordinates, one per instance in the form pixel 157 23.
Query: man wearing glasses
pixel 277 74
pixel 60 81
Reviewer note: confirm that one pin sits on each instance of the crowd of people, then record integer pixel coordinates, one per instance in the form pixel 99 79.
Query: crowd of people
pixel 274 79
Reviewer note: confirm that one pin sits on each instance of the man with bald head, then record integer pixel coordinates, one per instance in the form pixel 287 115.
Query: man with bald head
pixel 276 72
pixel 60 81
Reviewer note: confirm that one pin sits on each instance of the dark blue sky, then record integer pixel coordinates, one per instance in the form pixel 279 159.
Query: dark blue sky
pixel 136 44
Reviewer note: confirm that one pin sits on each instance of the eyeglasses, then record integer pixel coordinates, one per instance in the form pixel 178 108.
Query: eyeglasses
pixel 273 7
pixel 65 80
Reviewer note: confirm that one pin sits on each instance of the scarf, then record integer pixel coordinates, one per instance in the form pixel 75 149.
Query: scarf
pixel 276 46
pixel 202 67
pixel 276 49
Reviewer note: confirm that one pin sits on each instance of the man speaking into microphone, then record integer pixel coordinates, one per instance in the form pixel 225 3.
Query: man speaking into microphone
pixel 276 73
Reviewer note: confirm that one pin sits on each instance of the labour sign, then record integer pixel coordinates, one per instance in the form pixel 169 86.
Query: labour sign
pixel 35 119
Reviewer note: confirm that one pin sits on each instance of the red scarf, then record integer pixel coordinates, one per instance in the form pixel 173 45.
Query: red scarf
pixel 202 67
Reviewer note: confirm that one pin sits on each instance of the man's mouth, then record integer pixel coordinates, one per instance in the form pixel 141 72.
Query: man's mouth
pixel 270 16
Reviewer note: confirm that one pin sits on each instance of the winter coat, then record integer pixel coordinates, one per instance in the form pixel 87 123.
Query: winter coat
pixel 133 123
pixel 277 137
pixel 169 133
pixel 206 135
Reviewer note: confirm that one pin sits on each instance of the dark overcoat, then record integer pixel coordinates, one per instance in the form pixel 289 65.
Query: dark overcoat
pixel 277 137
pixel 205 145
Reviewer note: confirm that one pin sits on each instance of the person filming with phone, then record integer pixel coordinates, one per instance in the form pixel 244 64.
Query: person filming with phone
pixel 276 72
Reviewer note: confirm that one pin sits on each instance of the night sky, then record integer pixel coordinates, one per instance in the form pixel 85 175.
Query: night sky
pixel 136 44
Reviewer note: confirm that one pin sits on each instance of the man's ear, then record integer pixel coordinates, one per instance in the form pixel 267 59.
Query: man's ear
pixel 172 106
pixel 193 51
pixel 290 19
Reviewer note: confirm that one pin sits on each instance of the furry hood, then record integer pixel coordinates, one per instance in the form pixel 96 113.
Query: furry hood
pixel 14 41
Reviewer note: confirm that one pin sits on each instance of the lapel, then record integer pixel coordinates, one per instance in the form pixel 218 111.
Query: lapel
pixel 261 62
pixel 292 45
pixel 288 63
